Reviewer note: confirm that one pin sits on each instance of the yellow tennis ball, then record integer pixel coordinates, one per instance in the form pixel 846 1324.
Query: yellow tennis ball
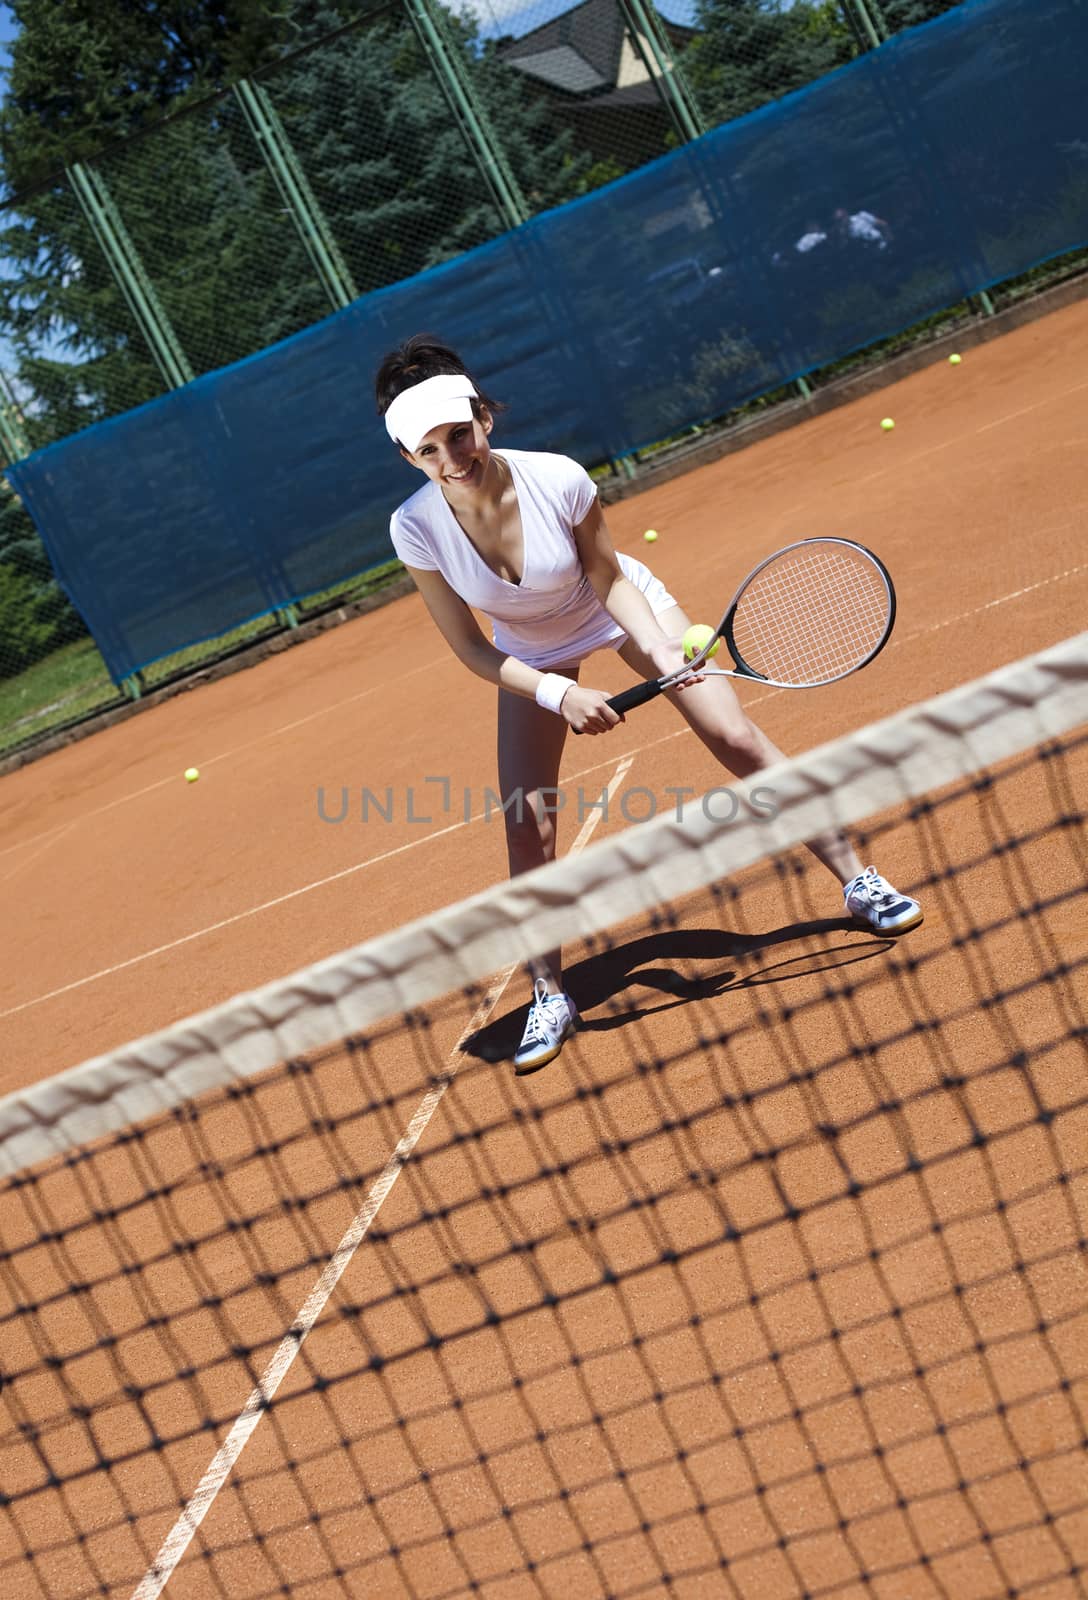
pixel 191 774
pixel 650 535
pixel 887 424
pixel 696 638
pixel 954 361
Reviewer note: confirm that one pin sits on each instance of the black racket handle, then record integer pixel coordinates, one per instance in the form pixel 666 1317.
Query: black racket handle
pixel 637 696
pixel 633 697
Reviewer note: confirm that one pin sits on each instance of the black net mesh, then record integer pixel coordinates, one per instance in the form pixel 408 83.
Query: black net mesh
pixel 770 1285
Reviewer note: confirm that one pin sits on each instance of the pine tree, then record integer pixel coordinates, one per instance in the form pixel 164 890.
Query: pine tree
pixel 900 14
pixel 85 75
pixel 368 121
pixel 396 179
pixel 749 52
pixel 207 226
pixel 85 72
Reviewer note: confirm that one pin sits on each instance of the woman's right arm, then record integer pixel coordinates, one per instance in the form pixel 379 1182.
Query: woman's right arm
pixel 584 709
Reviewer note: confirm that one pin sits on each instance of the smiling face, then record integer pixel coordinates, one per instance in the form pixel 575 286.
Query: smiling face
pixel 455 455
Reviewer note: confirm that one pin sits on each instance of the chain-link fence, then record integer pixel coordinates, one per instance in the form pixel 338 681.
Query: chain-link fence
pixel 377 150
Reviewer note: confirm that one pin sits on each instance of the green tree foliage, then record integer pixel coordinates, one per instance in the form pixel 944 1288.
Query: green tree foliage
pixel 388 164
pixel 749 52
pixel 129 89
pixel 138 90
pixel 85 78
pixel 85 72
pixel 367 119
pixel 899 14
pixel 31 623
pixel 20 546
pixel 385 160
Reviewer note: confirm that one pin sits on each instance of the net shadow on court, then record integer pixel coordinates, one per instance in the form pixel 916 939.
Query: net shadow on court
pixel 773 1280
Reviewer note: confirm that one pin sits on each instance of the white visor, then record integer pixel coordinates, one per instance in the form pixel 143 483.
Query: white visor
pixel 414 413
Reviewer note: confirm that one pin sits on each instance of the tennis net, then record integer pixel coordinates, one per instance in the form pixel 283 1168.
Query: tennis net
pixel 773 1284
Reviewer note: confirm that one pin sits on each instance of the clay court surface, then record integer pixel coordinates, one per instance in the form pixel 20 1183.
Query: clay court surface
pixel 134 899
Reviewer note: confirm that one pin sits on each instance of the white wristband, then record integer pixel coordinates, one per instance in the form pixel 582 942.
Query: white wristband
pixel 551 689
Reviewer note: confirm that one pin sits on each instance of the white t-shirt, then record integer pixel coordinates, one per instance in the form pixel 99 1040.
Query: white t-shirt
pixel 553 615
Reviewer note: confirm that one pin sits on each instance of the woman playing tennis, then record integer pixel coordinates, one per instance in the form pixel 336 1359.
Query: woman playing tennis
pixel 520 536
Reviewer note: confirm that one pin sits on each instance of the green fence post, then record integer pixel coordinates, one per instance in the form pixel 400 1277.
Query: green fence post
pixel 652 43
pixel 473 121
pixel 12 437
pixel 124 262
pixel 129 273
pixel 873 28
pixel 290 179
pixel 650 39
pixel 469 113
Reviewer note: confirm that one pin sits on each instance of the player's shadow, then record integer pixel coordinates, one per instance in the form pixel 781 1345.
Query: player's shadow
pixel 645 963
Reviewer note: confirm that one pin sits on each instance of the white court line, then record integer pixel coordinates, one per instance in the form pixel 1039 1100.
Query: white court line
pixel 988 605
pixel 227 922
pixel 84 816
pixel 453 828
pixel 898 462
pixel 45 843
pixel 895 463
pixel 226 755
pixel 177 1540
pixel 892 464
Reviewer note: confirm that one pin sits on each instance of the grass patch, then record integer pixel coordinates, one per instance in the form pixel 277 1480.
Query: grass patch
pixel 194 656
pixel 66 686
pixel 357 588
pixel 72 683
pixel 175 666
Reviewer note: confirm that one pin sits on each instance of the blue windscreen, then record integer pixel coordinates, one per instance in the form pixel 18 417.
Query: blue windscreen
pixel 951 158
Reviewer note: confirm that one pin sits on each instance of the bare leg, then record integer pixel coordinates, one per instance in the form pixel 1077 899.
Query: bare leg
pixel 718 718
pixel 530 749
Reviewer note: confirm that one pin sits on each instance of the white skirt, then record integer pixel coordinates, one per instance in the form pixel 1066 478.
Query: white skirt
pixel 600 631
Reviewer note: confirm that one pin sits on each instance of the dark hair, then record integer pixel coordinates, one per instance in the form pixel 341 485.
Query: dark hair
pixel 418 358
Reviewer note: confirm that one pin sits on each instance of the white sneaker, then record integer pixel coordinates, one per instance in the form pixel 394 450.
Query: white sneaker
pixel 552 1019
pixel 871 899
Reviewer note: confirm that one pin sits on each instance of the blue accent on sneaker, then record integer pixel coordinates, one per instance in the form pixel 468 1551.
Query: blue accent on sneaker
pixel 872 900
pixel 552 1019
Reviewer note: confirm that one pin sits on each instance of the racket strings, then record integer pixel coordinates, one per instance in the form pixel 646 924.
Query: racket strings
pixel 812 616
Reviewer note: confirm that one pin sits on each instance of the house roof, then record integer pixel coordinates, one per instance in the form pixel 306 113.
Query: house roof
pixel 585 51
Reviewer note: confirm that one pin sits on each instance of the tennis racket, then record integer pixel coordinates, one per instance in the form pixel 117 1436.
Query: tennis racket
pixel 810 614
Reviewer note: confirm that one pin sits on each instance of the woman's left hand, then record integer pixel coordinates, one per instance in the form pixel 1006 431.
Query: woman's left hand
pixel 668 656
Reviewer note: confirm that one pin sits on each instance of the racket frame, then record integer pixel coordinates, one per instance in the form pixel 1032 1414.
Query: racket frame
pixel 640 693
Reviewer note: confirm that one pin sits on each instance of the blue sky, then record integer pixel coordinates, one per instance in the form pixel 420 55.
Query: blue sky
pixel 8 30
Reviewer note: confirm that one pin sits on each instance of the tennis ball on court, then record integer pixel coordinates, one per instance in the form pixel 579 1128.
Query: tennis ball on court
pixel 954 361
pixel 191 774
pixel 887 424
pixel 650 535
pixel 696 638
